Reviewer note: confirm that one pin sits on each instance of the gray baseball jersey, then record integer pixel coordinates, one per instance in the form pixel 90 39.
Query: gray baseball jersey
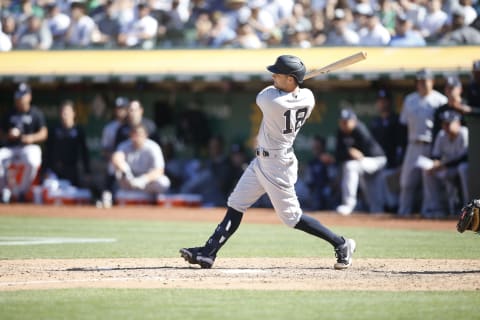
pixel 274 170
pixel 143 160
pixel 448 150
pixel 417 114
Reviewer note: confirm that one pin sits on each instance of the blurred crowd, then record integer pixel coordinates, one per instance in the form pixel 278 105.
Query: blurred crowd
pixel 59 24
pixel 415 161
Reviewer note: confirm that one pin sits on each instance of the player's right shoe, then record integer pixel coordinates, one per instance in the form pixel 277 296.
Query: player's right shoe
pixel 344 254
pixel 195 256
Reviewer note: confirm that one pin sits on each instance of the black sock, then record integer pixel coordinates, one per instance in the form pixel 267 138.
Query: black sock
pixel 224 230
pixel 314 227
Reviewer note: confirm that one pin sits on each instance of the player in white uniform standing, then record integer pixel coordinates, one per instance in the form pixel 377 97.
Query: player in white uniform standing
pixel 285 107
pixel 417 115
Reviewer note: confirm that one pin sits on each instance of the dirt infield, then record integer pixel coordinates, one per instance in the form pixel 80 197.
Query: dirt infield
pixel 237 273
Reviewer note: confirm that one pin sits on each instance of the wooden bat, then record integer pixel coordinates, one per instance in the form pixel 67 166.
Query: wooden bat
pixel 342 63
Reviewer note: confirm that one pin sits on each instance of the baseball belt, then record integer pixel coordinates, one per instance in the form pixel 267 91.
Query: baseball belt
pixel 269 153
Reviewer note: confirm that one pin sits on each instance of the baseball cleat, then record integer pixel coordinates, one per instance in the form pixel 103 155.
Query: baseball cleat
pixel 195 256
pixel 344 254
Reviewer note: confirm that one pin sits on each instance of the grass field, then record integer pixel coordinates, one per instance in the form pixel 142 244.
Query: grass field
pixel 154 239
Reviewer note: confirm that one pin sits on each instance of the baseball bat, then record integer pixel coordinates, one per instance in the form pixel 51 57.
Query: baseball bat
pixel 342 63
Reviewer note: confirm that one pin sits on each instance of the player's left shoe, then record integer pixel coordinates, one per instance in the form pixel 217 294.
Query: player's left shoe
pixel 344 254
pixel 195 256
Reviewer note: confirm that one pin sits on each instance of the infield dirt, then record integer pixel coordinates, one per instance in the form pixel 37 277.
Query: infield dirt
pixel 237 273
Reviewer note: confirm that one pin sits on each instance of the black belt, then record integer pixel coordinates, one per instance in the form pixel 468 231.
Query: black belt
pixel 264 153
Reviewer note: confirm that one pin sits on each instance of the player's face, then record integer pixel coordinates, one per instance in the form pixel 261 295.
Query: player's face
pixel 23 103
pixel 67 114
pixel 135 113
pixel 347 125
pixel 138 137
pixel 282 81
pixel 424 87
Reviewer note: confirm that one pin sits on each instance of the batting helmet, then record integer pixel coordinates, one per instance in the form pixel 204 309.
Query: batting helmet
pixel 289 65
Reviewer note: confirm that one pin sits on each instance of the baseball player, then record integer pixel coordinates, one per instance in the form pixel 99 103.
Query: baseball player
pixel 361 158
pixel 139 163
pixel 450 162
pixel 23 128
pixel 417 115
pixel 285 107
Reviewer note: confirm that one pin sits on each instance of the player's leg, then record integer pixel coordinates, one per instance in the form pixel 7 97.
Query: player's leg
pixel 32 156
pixel 463 175
pixel 350 179
pixel 5 158
pixel 287 207
pixel 246 192
pixel 371 184
pixel 410 179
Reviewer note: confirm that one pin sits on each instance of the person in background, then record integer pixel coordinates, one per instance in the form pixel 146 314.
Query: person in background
pixel 392 137
pixel 108 140
pixel 417 115
pixel 361 158
pixel 66 148
pixel 405 35
pixel 22 129
pixel 453 91
pixel 139 163
pixel 450 164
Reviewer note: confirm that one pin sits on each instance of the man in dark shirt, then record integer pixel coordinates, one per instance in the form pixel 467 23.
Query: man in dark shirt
pixel 134 118
pixel 20 158
pixel 473 90
pixel 361 157
pixel 66 147
pixel 453 91
pixel 392 137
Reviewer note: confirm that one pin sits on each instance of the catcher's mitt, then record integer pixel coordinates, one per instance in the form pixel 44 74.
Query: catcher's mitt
pixel 470 217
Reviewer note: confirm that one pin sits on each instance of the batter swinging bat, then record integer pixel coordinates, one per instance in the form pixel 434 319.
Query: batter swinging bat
pixel 342 63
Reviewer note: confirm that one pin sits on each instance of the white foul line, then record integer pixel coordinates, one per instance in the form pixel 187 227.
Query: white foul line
pixel 27 241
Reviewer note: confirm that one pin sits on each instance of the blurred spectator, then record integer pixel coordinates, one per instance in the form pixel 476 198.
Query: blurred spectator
pixel 405 36
pixel 414 12
pixel 318 176
pixel 387 14
pixel 58 23
pixel 5 41
pixel 459 33
pixel 341 34
pixel 142 33
pixel 22 10
pixel 35 35
pixel 211 178
pixel 109 132
pixel 172 31
pixel 221 33
pixel 470 12
pixel 246 38
pixel 435 19
pixel 9 27
pixel 139 163
pixel 237 12
pixel 417 115
pixel 298 21
pixel 22 129
pixel 318 34
pixel 392 137
pixel 453 91
pixel 360 158
pixel 373 33
pixel 202 33
pixel 66 148
pixel 82 27
pixel 450 164
pixel 134 118
pixel 299 38
pixel 108 25
pixel 261 20
pixel 473 90
pixel 109 135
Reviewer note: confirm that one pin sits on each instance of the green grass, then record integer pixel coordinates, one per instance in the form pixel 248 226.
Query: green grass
pixel 235 304
pixel 150 239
